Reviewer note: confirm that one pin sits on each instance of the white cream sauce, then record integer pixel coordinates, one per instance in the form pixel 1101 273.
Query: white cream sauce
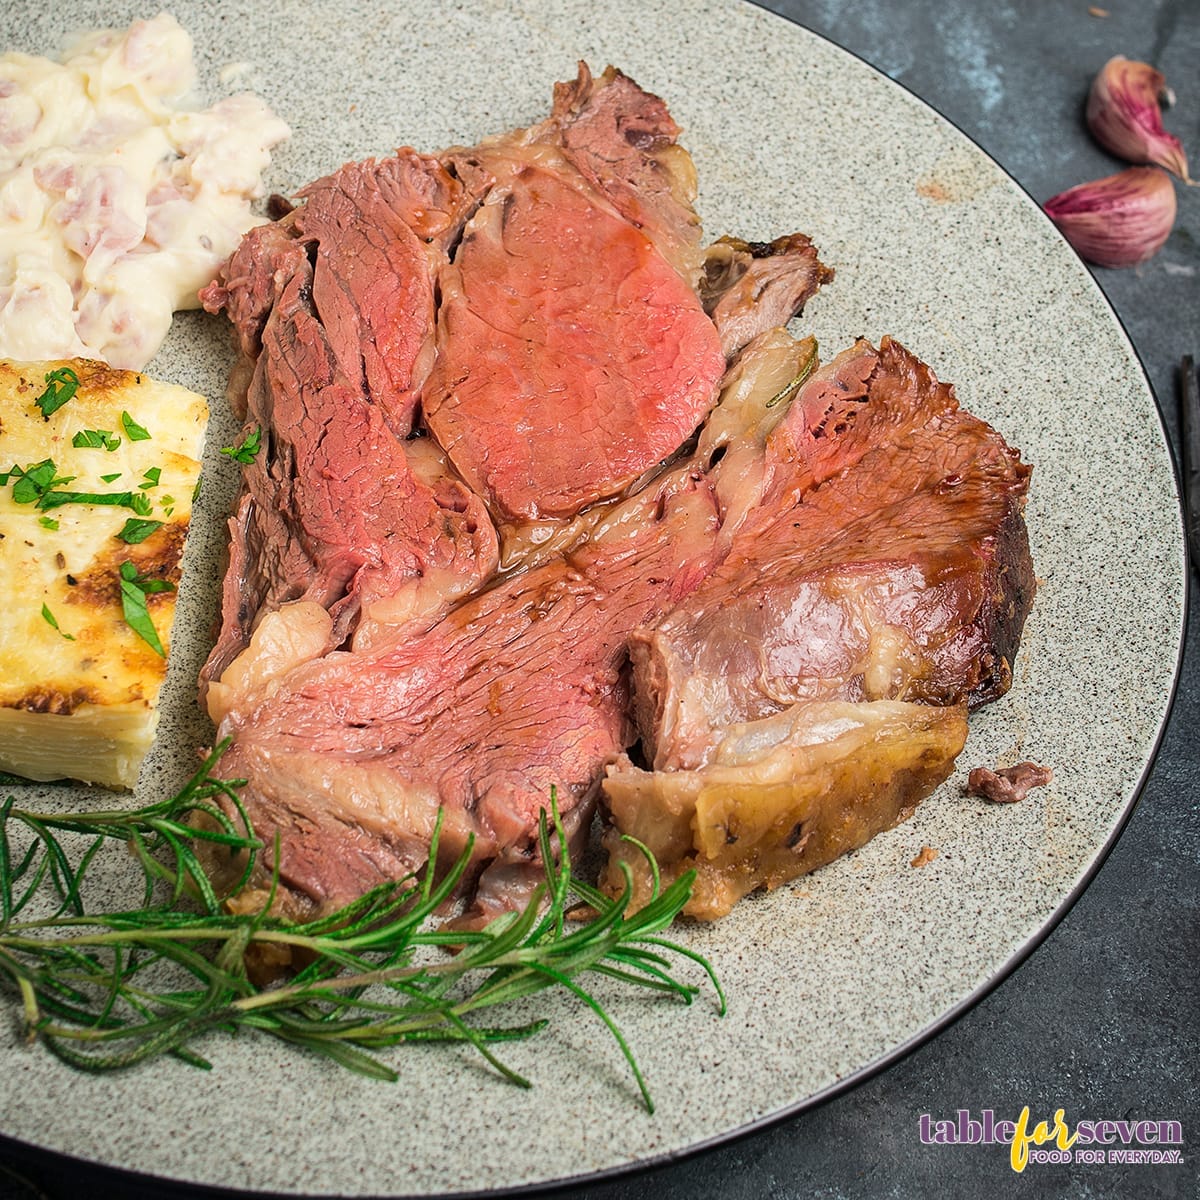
pixel 117 202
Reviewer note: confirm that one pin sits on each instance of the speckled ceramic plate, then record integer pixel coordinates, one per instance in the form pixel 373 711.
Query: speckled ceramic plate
pixel 831 977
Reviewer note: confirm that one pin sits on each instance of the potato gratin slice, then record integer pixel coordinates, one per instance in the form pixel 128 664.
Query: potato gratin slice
pixel 98 468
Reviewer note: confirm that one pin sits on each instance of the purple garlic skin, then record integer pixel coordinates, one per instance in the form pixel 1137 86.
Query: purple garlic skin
pixel 1118 221
pixel 1124 116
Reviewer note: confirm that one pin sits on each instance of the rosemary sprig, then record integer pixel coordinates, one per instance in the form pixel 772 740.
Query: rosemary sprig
pixel 806 369
pixel 105 990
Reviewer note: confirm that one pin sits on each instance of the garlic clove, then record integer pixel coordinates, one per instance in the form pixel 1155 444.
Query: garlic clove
pixel 1118 221
pixel 1125 117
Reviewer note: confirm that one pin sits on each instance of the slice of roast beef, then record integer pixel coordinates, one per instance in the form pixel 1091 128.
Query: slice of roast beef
pixel 887 559
pixel 814 688
pixel 375 234
pixel 379 231
pixel 334 310
pixel 573 352
pixel 517 691
pixel 570 315
pixel 572 357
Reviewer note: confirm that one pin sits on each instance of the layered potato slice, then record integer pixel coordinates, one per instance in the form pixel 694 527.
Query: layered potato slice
pixel 95 501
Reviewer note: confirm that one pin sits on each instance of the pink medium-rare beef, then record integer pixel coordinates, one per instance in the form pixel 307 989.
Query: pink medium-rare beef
pixel 888 559
pixel 374 232
pixel 334 332
pixel 516 691
pixel 622 140
pixel 332 510
pixel 528 330
pixel 380 230
pixel 572 357
pixel 573 351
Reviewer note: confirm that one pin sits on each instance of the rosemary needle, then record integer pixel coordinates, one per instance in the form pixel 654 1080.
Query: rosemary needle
pixel 106 990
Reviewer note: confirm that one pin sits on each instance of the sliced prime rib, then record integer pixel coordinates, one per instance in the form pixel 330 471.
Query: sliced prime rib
pixel 378 231
pixel 888 559
pixel 570 305
pixel 543 485
pixel 559 314
pixel 515 692
pixel 884 570
pixel 334 311
pixel 400 331
pixel 521 689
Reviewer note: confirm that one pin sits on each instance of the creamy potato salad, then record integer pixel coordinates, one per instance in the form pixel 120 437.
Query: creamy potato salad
pixel 117 202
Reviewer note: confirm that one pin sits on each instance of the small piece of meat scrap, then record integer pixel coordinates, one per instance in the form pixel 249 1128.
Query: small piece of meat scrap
pixel 1009 784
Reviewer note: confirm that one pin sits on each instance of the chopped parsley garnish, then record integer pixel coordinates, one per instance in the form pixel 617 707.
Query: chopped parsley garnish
pixel 134 590
pixel 133 500
pixel 47 522
pixel 110 478
pixel 61 385
pixel 251 444
pixel 133 431
pixel 96 439
pixel 135 530
pixel 35 482
pixel 38 484
pixel 48 617
pixel 151 477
